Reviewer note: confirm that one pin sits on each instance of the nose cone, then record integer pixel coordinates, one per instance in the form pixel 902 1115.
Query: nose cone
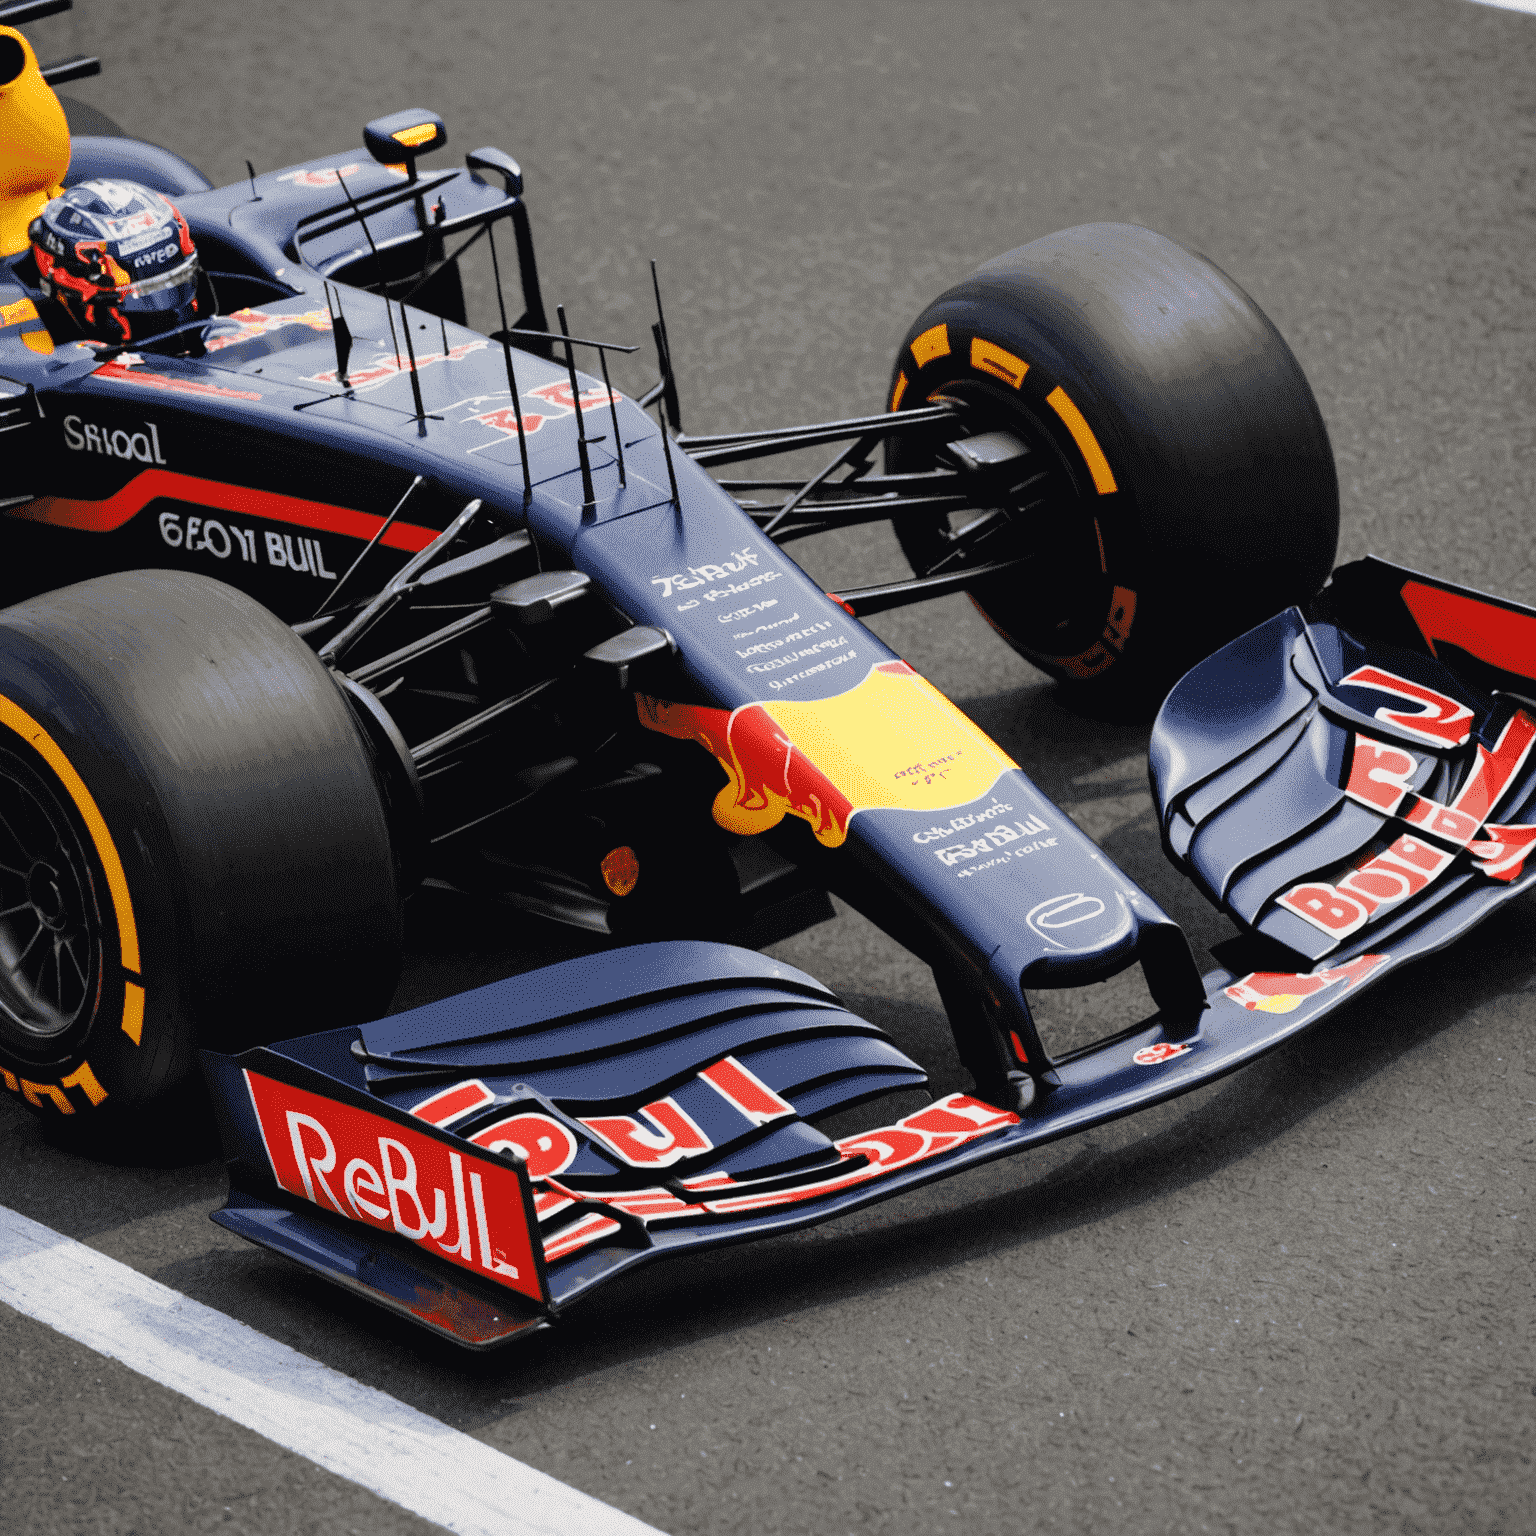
pixel 34 141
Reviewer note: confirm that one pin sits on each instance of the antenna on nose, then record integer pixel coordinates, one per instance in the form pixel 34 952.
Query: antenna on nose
pixel 666 401
pixel 410 355
pixel 378 261
pixel 341 334
pixel 506 352
pixel 588 496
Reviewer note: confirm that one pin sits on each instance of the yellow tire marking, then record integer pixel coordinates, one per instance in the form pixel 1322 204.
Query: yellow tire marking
pixel 133 1011
pixel 934 342
pixel 1082 433
pixel 988 357
pixel 85 1080
pixel 35 1093
pixel 901 389
pixel 18 720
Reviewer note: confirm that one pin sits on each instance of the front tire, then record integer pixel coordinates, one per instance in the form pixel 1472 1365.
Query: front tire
pixel 193 848
pixel 1179 487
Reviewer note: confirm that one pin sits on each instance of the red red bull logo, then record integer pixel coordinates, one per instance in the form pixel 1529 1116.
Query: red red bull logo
pixel 1381 776
pixel 664 1133
pixel 943 1126
pixel 659 1136
pixel 382 369
pixel 464 1205
pixel 330 175
pixel 545 1144
pixel 1436 718
pixel 557 400
pixel 1164 1050
pixel 828 759
pixel 451 1104
pixel 1284 992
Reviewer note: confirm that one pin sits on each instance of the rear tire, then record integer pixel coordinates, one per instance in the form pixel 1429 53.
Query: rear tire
pixel 1180 486
pixel 193 848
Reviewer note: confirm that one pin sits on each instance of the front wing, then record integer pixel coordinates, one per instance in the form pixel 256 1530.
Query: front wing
pixel 1355 785
pixel 680 1118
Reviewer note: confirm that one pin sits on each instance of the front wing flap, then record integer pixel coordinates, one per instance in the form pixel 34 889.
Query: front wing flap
pixel 1361 778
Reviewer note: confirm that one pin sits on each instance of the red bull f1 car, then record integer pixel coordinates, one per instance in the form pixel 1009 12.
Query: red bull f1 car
pixel 326 593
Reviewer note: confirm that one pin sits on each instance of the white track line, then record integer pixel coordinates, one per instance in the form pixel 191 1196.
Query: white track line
pixel 355 1431
pixel 1528 6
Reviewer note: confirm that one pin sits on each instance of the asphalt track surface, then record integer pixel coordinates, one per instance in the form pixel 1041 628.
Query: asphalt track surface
pixel 1299 1299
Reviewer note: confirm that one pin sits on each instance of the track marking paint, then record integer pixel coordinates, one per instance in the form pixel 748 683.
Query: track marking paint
pixel 1528 6
pixel 350 1429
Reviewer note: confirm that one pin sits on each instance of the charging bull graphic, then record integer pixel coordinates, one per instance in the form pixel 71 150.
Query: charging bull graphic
pixel 1282 992
pixel 893 740
pixel 250 323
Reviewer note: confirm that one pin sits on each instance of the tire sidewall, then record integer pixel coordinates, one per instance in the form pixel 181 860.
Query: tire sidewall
pixel 238 797
pixel 1223 506
pixel 143 935
pixel 973 318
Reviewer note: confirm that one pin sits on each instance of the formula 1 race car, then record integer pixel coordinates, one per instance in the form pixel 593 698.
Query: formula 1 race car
pixel 324 593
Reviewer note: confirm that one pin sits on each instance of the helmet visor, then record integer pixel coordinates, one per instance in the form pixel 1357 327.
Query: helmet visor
pixel 164 291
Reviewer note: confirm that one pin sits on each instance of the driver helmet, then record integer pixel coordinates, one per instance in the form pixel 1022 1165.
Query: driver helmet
pixel 119 259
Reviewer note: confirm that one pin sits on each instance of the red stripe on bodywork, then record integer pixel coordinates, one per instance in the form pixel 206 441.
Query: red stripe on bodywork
pixel 150 484
pixel 1503 637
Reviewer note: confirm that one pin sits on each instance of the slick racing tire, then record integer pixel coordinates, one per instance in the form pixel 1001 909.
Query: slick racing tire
pixel 193 847
pixel 1179 486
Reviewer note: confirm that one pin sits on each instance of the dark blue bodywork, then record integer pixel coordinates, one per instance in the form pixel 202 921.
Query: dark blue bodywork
pixel 718 1066
pixel 261 423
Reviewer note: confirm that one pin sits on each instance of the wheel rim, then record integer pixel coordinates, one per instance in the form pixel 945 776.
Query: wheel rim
pixel 51 930
pixel 1053 605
